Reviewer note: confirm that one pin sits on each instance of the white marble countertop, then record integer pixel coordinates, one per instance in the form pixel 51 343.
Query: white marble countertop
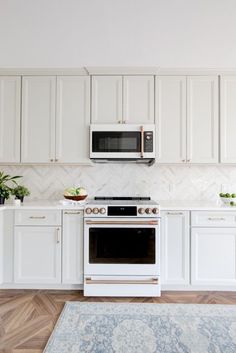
pixel 44 204
pixel 174 205
pixel 187 205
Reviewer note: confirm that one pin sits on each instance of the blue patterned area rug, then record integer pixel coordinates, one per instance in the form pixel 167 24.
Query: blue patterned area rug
pixel 144 328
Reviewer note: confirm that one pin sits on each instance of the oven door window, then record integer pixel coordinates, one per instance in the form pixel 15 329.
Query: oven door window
pixel 116 141
pixel 122 245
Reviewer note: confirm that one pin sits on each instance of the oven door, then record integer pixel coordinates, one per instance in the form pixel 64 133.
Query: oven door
pixel 121 247
pixel 120 142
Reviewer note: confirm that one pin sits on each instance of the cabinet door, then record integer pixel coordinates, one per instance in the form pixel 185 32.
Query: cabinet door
pixel 175 247
pixel 171 119
pixel 138 100
pixel 228 119
pixel 37 256
pixel 72 268
pixel 38 119
pixel 202 119
pixel 10 101
pixel 106 99
pixel 72 119
pixel 213 257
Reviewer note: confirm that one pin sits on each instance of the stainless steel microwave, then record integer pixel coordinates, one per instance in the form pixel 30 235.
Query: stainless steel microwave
pixel 126 142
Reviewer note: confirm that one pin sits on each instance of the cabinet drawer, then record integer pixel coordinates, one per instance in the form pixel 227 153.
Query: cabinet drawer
pixel 213 219
pixel 38 217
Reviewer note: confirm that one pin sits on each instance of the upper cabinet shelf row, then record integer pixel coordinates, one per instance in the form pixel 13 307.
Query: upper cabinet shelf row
pixel 45 119
pixel 54 126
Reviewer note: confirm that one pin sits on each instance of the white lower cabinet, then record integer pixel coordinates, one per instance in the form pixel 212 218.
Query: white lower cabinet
pixel 175 247
pixel 213 256
pixel 72 259
pixel 37 254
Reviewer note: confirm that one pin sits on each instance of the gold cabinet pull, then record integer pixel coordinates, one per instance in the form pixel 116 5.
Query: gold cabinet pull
pixel 58 235
pixel 142 141
pixel 72 213
pixel 37 217
pixel 216 218
pixel 123 222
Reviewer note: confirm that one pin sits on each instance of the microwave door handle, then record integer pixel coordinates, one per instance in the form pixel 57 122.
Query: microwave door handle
pixel 142 141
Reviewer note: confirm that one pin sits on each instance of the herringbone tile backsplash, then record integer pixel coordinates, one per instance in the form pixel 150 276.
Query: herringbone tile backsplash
pixel 159 181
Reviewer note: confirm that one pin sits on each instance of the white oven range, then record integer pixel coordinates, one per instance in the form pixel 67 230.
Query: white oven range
pixel 122 247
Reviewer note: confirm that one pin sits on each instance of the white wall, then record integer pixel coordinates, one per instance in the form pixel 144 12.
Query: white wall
pixel 75 33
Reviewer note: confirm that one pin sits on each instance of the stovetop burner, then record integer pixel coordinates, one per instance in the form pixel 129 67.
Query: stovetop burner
pixel 123 198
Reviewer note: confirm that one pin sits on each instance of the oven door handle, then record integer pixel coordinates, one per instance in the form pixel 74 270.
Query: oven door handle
pixel 148 223
pixel 89 280
pixel 142 141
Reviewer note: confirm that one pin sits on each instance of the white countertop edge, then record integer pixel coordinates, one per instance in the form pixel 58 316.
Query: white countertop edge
pixel 165 205
pixel 181 205
pixel 42 204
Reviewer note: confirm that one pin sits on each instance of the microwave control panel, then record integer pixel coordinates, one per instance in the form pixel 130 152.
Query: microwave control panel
pixel 148 141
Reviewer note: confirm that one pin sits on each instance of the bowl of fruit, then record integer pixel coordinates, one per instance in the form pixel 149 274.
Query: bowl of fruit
pixel 75 194
pixel 228 199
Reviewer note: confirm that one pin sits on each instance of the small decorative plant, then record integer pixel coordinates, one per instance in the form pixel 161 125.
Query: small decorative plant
pixel 20 192
pixel 5 189
pixel 5 193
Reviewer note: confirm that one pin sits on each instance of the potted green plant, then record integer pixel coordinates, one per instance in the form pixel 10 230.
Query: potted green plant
pixel 5 189
pixel 5 193
pixel 20 192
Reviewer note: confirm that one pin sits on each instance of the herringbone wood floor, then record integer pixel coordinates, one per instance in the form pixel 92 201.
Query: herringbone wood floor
pixel 28 317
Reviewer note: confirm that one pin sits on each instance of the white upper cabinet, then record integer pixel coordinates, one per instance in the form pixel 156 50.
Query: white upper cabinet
pixel 138 99
pixel 106 99
pixel 228 119
pixel 38 119
pixel 72 119
pixel 10 105
pixel 123 99
pixel 202 119
pixel 171 119
pixel 55 119
pixel 187 119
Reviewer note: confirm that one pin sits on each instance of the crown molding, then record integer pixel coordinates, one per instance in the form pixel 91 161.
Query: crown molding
pixel 43 71
pixel 121 70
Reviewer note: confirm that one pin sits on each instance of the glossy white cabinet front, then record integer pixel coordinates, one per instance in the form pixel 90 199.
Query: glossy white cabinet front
pixel 228 119
pixel 38 119
pixel 202 119
pixel 10 105
pixel 138 99
pixel 213 256
pixel 175 247
pixel 187 119
pixel 72 119
pixel 72 260
pixel 106 99
pixel 37 254
pixel 171 119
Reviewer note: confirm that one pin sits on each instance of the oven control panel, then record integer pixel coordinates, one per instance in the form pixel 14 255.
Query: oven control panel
pixel 122 211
